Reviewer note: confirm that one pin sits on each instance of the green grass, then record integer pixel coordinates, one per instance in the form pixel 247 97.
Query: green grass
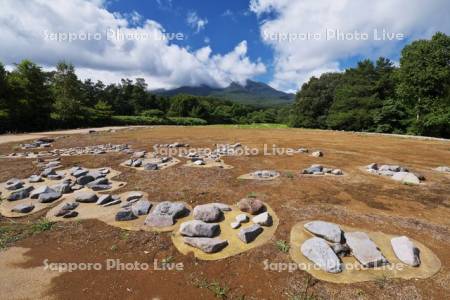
pixel 252 126
pixel 13 232
pixel 251 195
pixel 283 246
pixel 168 260
pixel 215 287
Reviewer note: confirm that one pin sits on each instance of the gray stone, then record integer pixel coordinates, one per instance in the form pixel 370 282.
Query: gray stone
pixel 241 218
pixel 133 196
pixel 235 224
pixel 14 184
pixel 251 205
pixel 70 206
pixel 136 163
pixel 249 234
pixel 125 215
pixel 23 208
pixel 55 177
pixel 20 194
pixel 103 199
pixel 443 169
pixel 392 168
pixel 264 219
pixel 114 202
pixel 49 197
pixel 207 213
pixel 222 206
pixel 165 213
pixel 364 249
pixel 83 180
pixel 100 187
pixel 317 154
pixel 207 245
pixel 406 178
pixel 70 214
pixel 47 172
pixel 321 254
pixel 196 228
pixel 99 181
pixel 40 190
pixel 337 172
pixel 63 188
pixel 80 172
pixel 151 167
pixel 313 169
pixel 406 251
pixel 35 179
pixel 96 174
pixel 329 231
pixel 141 207
pixel 86 197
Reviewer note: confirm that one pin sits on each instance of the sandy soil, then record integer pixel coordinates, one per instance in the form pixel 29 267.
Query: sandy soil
pixel 358 199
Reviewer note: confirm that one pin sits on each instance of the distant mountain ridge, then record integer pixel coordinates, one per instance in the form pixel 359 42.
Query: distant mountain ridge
pixel 254 93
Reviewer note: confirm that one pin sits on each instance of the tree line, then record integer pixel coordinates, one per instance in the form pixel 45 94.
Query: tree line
pixel 32 99
pixel 413 98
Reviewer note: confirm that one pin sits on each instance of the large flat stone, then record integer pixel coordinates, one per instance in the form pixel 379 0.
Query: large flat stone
pixel 364 249
pixel 207 245
pixel 86 197
pixel 264 219
pixel 196 228
pixel 20 194
pixel 320 253
pixel 23 208
pixel 329 231
pixel 207 213
pixel 165 213
pixel 406 251
pixel 141 207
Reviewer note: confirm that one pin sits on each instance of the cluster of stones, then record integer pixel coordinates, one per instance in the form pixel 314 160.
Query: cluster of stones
pixel 321 170
pixel 264 174
pixel 330 244
pixel 43 142
pixel 74 151
pixel 202 157
pixel 443 169
pixel 173 145
pixel 20 190
pixel 139 159
pixel 397 173
pixel 203 231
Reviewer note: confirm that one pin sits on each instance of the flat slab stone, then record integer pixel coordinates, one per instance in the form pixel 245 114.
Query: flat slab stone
pixel 23 208
pixel 86 197
pixel 141 207
pixel 165 213
pixel 196 228
pixel 40 190
pixel 125 215
pixel 133 196
pixel 364 249
pixel 49 197
pixel 406 251
pixel 207 213
pixel 320 253
pixel 207 245
pixel 20 194
pixel 249 234
pixel 103 199
pixel 329 231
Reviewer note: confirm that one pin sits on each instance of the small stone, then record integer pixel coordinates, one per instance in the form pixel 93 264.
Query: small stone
pixel 70 206
pixel 151 167
pixel 63 188
pixel 317 154
pixel 49 197
pixel 136 163
pixel 55 177
pixel 196 228
pixel 125 215
pixel 103 199
pixel 406 251
pixel 337 172
pixel 14 184
pixel 141 207
pixel 35 179
pixel 80 172
pixel 222 206
pixel 249 234
pixel 241 218
pixel 329 231
pixel 264 219
pixel 199 162
pixel 139 154
pixel 114 202
pixel 444 169
pixel 364 249
pixel 70 214
pixel 86 197
pixel 321 254
pixel 47 172
pixel 250 205
pixel 207 213
pixel 235 224
pixel 40 190
pixel 133 196
pixel 20 194
pixel 207 245
pixel 83 180
pixel 23 208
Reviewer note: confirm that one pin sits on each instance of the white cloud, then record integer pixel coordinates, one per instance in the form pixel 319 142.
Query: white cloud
pixel 195 22
pixel 297 60
pixel 163 64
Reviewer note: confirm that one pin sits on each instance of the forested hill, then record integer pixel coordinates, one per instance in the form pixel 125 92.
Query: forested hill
pixel 413 98
pixel 253 93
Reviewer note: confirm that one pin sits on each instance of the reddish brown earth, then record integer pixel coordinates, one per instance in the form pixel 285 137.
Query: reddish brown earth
pixel 357 199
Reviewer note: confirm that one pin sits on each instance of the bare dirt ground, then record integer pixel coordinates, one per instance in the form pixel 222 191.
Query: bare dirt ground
pixel 357 199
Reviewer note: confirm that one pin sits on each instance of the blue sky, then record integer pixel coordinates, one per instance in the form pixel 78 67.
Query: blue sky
pixel 225 41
